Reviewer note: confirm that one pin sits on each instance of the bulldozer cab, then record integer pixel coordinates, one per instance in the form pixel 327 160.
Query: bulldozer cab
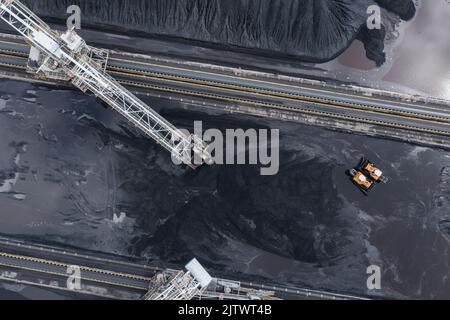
pixel 373 171
pixel 361 180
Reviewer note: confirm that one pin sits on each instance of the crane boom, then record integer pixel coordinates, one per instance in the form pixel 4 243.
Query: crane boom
pixel 82 64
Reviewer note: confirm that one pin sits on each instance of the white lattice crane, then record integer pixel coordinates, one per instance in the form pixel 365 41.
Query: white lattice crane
pixel 66 56
pixel 179 285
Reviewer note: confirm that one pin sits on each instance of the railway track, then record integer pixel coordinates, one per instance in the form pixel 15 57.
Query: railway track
pixel 287 108
pixel 310 102
pixel 90 274
pixel 141 283
pixel 269 93
pixel 20 255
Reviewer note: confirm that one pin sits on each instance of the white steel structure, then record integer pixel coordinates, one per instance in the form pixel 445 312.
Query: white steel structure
pixel 179 285
pixel 67 56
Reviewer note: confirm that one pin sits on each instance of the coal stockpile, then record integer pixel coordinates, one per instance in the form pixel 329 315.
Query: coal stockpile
pixel 308 30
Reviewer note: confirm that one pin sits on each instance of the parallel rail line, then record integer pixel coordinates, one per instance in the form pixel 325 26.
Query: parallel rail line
pixel 21 53
pixel 265 93
pixel 289 108
pixel 17 258
pixel 270 93
pixel 145 280
pixel 118 275
pixel 175 79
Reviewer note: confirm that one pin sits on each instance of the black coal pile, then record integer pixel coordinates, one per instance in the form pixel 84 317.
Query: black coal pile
pixel 310 30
